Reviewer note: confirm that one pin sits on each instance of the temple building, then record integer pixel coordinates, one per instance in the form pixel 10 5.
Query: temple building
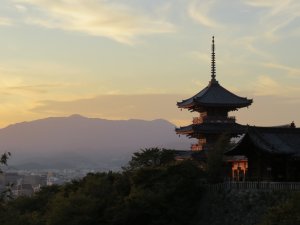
pixel 213 104
pixel 262 153
pixel 272 153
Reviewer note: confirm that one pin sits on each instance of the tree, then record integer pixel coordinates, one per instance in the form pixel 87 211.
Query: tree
pixel 151 157
pixel 215 159
pixel 3 159
pixel 163 195
pixel 156 191
pixel 7 192
pixel 284 214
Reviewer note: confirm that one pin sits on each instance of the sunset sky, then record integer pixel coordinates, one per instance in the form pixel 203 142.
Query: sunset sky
pixel 122 59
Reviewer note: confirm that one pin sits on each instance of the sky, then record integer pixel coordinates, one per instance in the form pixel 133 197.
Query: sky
pixel 124 59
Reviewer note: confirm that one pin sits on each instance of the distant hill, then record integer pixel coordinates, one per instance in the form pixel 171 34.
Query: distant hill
pixel 80 142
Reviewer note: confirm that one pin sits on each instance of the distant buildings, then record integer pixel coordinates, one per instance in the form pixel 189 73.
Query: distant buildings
pixel 26 183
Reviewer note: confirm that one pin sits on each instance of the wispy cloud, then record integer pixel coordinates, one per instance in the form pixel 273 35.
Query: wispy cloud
pixel 98 18
pixel 248 42
pixel 267 86
pixel 278 15
pixel 200 12
pixel 290 70
pixel 21 8
pixel 5 21
pixel 200 56
pixel 35 89
pixel 120 107
pixel 265 3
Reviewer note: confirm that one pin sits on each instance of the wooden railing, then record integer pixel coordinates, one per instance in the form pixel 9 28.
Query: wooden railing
pixel 288 186
pixel 196 147
pixel 213 119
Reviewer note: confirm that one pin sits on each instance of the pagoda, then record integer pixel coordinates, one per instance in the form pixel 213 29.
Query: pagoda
pixel 213 104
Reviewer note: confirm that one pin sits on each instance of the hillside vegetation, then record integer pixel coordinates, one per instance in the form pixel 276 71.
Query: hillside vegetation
pixel 153 189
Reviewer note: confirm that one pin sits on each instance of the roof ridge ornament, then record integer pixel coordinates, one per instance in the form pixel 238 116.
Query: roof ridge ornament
pixel 213 61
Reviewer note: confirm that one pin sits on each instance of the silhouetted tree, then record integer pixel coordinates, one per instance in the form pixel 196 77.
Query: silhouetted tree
pixel 215 159
pixel 284 214
pixel 3 159
pixel 151 157
pixel 6 194
pixel 156 191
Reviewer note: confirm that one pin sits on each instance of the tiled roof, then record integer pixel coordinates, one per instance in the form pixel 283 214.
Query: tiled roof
pixel 284 141
pixel 215 95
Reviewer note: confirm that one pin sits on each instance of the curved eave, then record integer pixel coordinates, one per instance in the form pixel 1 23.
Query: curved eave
pixel 214 95
pixel 187 130
pixel 237 105
pixel 185 105
pixel 222 105
pixel 195 106
pixel 211 128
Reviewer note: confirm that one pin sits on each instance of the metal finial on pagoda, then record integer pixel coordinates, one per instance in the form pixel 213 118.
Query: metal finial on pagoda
pixel 213 60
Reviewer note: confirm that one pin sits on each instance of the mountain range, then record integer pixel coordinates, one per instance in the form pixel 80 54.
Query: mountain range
pixel 80 142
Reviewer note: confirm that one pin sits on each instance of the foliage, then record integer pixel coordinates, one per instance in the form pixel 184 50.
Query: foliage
pixel 285 214
pixel 165 195
pixel 166 192
pixel 151 157
pixel 215 159
pixel 148 194
pixel 5 194
pixel 4 157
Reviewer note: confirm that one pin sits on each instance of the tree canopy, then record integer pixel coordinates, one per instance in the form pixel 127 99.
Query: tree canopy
pixel 154 191
pixel 151 157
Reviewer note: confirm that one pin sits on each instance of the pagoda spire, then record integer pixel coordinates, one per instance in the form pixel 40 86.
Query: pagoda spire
pixel 213 60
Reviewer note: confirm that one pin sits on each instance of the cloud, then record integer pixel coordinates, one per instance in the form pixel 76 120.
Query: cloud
pixel 199 11
pixel 278 15
pixel 203 57
pixel 18 89
pixel 290 70
pixel 270 111
pixel 34 89
pixel 265 3
pixel 248 42
pixel 21 8
pixel 94 17
pixel 5 21
pixel 143 106
pixel 266 86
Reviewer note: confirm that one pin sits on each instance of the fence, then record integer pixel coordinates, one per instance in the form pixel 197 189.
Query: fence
pixel 288 186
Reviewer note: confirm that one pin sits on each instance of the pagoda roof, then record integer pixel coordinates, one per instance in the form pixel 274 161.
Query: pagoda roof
pixel 214 95
pixel 271 140
pixel 211 128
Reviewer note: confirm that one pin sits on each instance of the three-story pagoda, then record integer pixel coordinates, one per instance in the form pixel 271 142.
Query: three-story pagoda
pixel 213 104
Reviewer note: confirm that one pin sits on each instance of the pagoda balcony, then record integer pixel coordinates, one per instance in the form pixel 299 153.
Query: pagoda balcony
pixel 201 147
pixel 213 119
pixel 202 141
pixel 196 147
pixel 197 120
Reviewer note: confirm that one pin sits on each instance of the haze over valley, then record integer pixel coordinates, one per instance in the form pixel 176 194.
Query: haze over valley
pixel 80 142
